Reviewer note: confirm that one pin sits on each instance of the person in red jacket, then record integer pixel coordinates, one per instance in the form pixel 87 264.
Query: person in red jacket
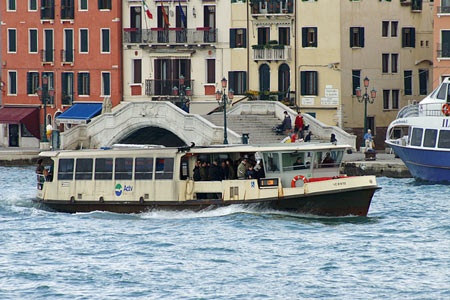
pixel 299 125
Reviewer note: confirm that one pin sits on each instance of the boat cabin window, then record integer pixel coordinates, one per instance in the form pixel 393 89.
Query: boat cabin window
pixel 83 169
pixel 164 168
pixel 124 168
pixel 296 161
pixel 65 169
pixel 103 168
pixel 416 138
pixel 429 139
pixel 328 159
pixel 444 139
pixel 143 168
pixel 272 161
pixel 442 92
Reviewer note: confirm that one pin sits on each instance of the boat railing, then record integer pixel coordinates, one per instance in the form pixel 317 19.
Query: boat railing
pixel 408 111
pixel 421 110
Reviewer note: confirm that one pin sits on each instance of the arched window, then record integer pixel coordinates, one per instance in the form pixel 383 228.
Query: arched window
pixel 284 82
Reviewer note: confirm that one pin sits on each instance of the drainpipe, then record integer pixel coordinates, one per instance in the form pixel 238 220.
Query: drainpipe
pixel 248 48
pixel 121 50
pixel 295 54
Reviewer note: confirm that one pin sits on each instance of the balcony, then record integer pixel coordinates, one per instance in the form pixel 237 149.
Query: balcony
pixel 47 55
pixel 161 36
pixel 272 7
pixel 443 10
pixel 160 87
pixel 47 10
pixel 443 51
pixel 276 53
pixel 67 12
pixel 67 56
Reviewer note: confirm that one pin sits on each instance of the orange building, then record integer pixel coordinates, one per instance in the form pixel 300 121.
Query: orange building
pixel 74 46
pixel 441 35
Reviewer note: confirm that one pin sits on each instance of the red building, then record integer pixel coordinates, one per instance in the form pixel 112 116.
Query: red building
pixel 76 44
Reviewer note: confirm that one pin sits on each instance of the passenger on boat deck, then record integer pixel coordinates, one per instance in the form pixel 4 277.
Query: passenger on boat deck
pixel 250 173
pixel 231 170
pixel 224 169
pixel 203 172
pixel 215 173
pixel 242 169
pixel 298 164
pixel 40 166
pixel 197 176
pixel 328 161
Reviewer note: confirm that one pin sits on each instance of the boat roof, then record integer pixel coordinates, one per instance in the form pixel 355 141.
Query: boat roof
pixel 234 148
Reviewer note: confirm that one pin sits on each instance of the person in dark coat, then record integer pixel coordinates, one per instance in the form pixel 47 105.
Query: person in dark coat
pixel 203 172
pixel 287 123
pixel 197 176
pixel 225 172
pixel 250 173
pixel 215 172
pixel 231 170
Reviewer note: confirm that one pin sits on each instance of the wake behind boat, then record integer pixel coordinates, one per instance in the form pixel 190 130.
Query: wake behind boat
pixel 293 177
pixel 420 136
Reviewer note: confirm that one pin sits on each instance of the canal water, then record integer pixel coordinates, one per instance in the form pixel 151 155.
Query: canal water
pixel 400 251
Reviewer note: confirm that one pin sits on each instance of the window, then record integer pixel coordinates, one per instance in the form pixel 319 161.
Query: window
pixel 67 9
pixel 24 132
pixel 32 5
pixel 356 80
pixel 416 139
pixel 445 44
pixel 65 169
pixel 423 82
pixel 105 40
pixel 51 84
pixel 309 37
pixel 137 71
pixel 83 170
pixel 263 35
pixel 83 5
pixel 407 82
pixel 68 46
pixel 48 45
pixel 164 168
pixel 210 71
pixel 444 139
pixel 124 168
pixel 272 161
pixel 385 62
pixel 83 84
pixel 67 88
pixel 408 37
pixel 394 63
pixel 84 40
pixel 106 84
pixel 394 28
pixel 12 41
pixel 386 100
pixel 384 28
pixel 429 140
pixel 238 81
pixel 238 38
pixel 309 82
pixel 395 99
pixel 371 125
pixel 32 82
pixel 33 41
pixel 143 168
pixel 416 4
pixel 11 5
pixel 12 83
pixel 47 9
pixel 356 37
pixel 284 36
pixel 104 4
pixel 103 168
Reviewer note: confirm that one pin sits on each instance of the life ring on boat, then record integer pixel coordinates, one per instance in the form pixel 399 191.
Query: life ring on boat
pixel 446 109
pixel 305 180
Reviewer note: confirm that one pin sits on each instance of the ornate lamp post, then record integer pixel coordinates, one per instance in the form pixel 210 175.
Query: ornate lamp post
pixel 183 92
pixel 44 93
pixel 366 98
pixel 223 99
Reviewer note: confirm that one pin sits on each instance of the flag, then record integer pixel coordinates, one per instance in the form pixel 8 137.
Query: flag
pixel 183 16
pixel 147 10
pixel 166 18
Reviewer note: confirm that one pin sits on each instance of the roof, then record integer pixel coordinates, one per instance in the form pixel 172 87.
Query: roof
pixel 80 113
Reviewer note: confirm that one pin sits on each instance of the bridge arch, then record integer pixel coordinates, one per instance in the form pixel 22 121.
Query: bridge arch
pixel 151 135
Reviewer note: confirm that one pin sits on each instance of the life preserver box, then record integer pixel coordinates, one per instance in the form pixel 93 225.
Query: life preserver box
pixel 446 109
pixel 305 180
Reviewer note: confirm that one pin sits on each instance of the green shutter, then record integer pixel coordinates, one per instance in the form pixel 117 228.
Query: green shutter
pixel 361 37
pixel 304 37
pixel 29 80
pixel 316 33
pixel 351 37
pixel 231 81
pixel 245 37
pixel 302 83
pixel 413 37
pixel 232 38
pixel 403 37
pixel 316 82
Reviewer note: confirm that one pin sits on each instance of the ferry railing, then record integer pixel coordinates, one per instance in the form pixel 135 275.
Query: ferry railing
pixel 421 110
pixel 411 110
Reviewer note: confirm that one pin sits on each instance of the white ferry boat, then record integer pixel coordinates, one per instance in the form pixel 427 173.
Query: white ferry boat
pixel 420 136
pixel 300 178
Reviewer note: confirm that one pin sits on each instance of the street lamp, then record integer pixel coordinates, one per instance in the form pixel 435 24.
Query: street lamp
pixel 366 98
pixel 223 99
pixel 44 92
pixel 184 92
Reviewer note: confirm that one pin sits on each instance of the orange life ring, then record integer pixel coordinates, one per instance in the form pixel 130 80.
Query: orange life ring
pixel 446 109
pixel 305 180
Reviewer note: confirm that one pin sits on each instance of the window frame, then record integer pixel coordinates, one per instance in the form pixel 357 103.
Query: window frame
pixel 80 5
pixel 136 76
pixel 32 83
pixel 357 37
pixel 104 73
pixel 80 40
pixel 102 44
pixel 9 46
pixel 103 2
pixel 394 62
pixel 385 63
pixel 309 37
pixel 162 174
pixel 10 85
pixel 29 5
pixel 29 40
pixel 8 5
pixel 105 172
pixel 407 92
pixel 309 83
pixel 83 89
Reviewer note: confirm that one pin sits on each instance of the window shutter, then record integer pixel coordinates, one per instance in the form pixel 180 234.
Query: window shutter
pixel 316 37
pixel 231 81
pixel 29 78
pixel 99 4
pixel 64 83
pixel 403 37
pixel 316 82
pixel 79 83
pixel 361 37
pixel 88 76
pixel 245 37
pixel 304 37
pixel 351 37
pixel 244 83
pixel 232 38
pixel 303 83
pixel 413 37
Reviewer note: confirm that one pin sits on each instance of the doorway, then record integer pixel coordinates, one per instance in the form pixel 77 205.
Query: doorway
pixel 13 135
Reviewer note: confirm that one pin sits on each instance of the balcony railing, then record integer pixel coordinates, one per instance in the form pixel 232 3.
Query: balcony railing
pixel 47 55
pixel 272 7
pixel 67 12
pixel 160 87
pixel 48 10
pixel 443 51
pixel 67 56
pixel 443 9
pixel 170 36
pixel 283 54
pixel 66 99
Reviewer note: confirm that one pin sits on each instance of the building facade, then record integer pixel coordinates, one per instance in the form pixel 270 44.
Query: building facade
pixel 74 45
pixel 441 53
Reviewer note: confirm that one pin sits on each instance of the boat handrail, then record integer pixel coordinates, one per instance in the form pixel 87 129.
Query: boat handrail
pixel 421 110
pixel 411 110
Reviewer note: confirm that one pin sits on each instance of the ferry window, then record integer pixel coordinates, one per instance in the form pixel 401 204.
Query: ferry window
pixel 429 139
pixel 124 168
pixel 83 170
pixel 65 169
pixel 295 161
pixel 103 168
pixel 164 168
pixel 416 138
pixel 444 139
pixel 442 92
pixel 272 162
pixel 143 168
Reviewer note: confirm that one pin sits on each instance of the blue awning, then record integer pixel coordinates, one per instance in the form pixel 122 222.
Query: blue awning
pixel 80 113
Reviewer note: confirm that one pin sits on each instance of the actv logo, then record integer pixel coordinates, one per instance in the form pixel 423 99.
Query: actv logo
pixel 118 189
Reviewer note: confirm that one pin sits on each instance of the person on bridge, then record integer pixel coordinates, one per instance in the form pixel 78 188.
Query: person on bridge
pixel 299 125
pixel 287 123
